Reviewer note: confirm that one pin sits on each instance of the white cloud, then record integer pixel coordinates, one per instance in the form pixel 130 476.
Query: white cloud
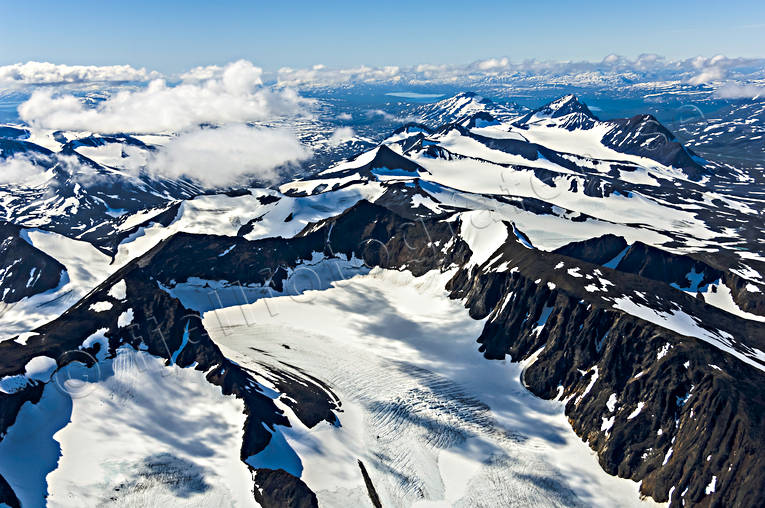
pixel 225 156
pixel 492 63
pixel 319 74
pixel 213 157
pixel 716 68
pixel 202 73
pixel 345 117
pixel 341 135
pixel 234 94
pixel 239 76
pixel 740 91
pixel 707 76
pixel 711 69
pixel 21 169
pixel 379 113
pixel 45 73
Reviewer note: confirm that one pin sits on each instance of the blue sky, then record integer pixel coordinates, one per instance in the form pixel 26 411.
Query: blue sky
pixel 171 36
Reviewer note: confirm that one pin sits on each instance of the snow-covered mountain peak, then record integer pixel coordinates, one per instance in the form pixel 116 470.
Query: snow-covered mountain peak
pixel 566 105
pixel 566 112
pixel 464 104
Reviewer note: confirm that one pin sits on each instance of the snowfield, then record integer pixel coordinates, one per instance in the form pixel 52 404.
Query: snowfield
pixel 86 267
pixel 433 422
pixel 129 432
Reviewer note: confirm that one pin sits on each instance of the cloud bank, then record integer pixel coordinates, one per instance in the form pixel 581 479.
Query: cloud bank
pixel 225 156
pixel 319 74
pixel 45 73
pixel 21 169
pixel 208 115
pixel 341 135
pixel 240 76
pixel 612 70
pixel 232 155
pixel 233 95
pixel 740 91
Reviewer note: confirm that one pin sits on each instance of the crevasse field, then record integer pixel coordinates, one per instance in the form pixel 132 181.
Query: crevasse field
pixel 394 349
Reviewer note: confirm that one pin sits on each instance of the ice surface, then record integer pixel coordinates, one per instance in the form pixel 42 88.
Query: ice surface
pixel 85 265
pixel 130 432
pixel 429 428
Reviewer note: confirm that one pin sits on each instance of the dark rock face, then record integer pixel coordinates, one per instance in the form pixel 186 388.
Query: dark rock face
pixel 455 109
pixel 95 141
pixel 643 135
pixel 25 269
pixel 310 398
pixel 692 272
pixel 701 403
pixel 7 495
pixel 279 489
pixel 371 491
pixel 575 114
pixel 660 265
pixel 11 147
pixel 107 238
pixel 159 325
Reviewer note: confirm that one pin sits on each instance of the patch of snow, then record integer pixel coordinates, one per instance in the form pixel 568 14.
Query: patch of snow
pixel 617 259
pixel 119 290
pixel 277 455
pixel 99 338
pixel 226 251
pixel 712 485
pixel 40 368
pixel 427 202
pixel 667 456
pixel 543 317
pixel 636 412
pixel 719 295
pixel 184 342
pixel 24 337
pixel 611 403
pixel 101 306
pixel 592 382
pixel 484 233
pixel 86 267
pixel 125 319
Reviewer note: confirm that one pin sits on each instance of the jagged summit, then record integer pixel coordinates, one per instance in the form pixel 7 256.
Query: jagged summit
pixel 463 105
pixel 567 105
pixel 645 136
pixel 567 112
